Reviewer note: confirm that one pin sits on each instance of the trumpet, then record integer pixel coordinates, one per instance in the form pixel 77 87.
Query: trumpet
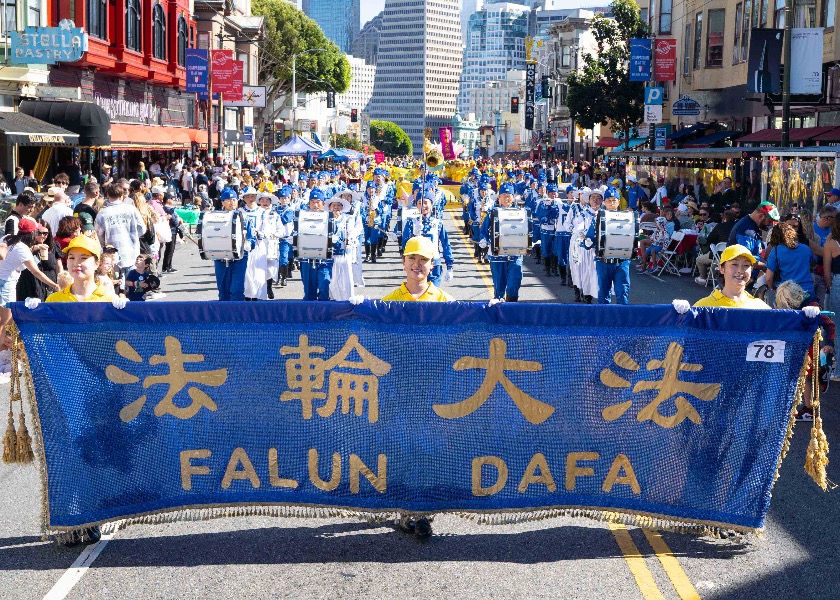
pixel 434 159
pixel 371 217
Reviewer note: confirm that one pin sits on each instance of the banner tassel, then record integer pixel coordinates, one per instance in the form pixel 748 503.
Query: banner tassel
pixel 24 440
pixel 816 458
pixel 10 440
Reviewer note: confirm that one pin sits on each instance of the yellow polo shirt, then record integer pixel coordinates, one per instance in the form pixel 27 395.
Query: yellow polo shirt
pixel 100 294
pixel 432 294
pixel 717 299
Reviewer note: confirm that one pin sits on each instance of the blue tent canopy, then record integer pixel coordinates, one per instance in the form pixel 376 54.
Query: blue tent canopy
pixel 341 154
pixel 297 146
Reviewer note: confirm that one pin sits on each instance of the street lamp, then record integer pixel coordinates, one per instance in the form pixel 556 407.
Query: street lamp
pixel 294 83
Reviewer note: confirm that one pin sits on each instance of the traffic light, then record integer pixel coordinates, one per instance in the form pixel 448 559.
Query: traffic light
pixel 354 115
pixel 330 99
pixel 514 104
pixel 546 87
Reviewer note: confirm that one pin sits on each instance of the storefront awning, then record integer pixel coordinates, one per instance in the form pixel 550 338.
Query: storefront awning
pixel 687 131
pixel 633 143
pixel 180 137
pixel 22 129
pixel 797 134
pixel 88 120
pixel 713 138
pixel 141 137
pixel 608 142
pixel 198 136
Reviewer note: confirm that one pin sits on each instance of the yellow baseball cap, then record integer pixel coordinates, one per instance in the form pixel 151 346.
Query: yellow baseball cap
pixel 736 251
pixel 85 243
pixel 422 246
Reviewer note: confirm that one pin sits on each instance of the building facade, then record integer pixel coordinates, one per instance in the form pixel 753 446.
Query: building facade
pixel 495 44
pixel 366 43
pixel 418 66
pixel 362 77
pixel 466 132
pixel 339 19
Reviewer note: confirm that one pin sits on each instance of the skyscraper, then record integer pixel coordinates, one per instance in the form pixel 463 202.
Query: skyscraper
pixel 418 66
pixel 495 44
pixel 339 19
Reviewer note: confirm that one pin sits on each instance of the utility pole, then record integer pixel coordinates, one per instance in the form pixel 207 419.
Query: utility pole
pixel 786 43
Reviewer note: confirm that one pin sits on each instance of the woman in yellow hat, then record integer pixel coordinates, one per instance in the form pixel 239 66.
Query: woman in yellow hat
pixel 418 258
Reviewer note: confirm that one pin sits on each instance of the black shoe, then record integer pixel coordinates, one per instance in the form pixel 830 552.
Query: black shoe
pixel 71 540
pixel 422 529
pixel 408 526
pixel 271 289
pixel 373 258
pixel 91 535
pixel 511 298
pixel 577 295
pixel 170 270
pixel 282 282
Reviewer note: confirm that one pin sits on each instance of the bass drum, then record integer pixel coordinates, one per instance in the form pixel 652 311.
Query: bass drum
pixel 510 231
pixel 313 235
pixel 221 235
pixel 616 233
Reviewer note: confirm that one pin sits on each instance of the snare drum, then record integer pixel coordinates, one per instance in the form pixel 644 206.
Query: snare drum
pixel 313 235
pixel 510 231
pixel 221 235
pixel 616 233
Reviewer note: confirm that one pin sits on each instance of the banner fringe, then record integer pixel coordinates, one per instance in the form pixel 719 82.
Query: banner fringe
pixel 721 531
pixel 10 439
pixel 816 457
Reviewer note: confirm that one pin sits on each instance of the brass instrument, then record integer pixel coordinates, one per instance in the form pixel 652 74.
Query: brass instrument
pixel 371 217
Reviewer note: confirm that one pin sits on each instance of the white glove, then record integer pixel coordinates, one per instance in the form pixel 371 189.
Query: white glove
pixel 392 237
pixel 495 301
pixel 482 244
pixel 356 299
pixel 812 312
pixel 119 302
pixel 681 306
pixel 32 303
pixel 587 243
pixel 448 276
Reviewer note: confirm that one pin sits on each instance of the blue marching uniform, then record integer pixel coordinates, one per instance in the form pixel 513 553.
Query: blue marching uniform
pixel 611 273
pixel 432 228
pixel 286 253
pixel 547 214
pixel 563 239
pixel 317 274
pixel 506 270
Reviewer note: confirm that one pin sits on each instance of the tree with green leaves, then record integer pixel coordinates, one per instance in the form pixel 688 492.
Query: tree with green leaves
pixel 600 91
pixel 320 64
pixel 390 138
pixel 345 141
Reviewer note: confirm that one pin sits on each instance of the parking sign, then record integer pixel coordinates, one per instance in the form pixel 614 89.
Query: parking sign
pixel 653 95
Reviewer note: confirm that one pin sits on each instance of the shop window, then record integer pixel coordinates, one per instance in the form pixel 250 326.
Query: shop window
pixel 714 38
pixel 132 25
pixel 687 50
pixel 158 32
pixel 34 18
pixel 736 47
pixel 828 13
pixel 698 39
pixel 182 41
pixel 665 16
pixel 97 18
pixel 805 13
pixel 745 30
pixel 9 16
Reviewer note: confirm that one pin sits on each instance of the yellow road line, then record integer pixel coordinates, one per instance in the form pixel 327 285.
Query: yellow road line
pixel 483 270
pixel 672 567
pixel 636 563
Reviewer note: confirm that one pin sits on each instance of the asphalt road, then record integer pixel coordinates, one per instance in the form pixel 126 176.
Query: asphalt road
pixel 797 557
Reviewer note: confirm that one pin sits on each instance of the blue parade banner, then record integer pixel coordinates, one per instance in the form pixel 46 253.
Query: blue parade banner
pixel 197 66
pixel 533 409
pixel 640 59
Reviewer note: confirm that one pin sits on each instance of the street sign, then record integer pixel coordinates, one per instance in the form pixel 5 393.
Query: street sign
pixel 47 45
pixel 653 95
pixel 530 94
pixel 248 134
pixel 659 138
pixel 364 127
pixel 653 113
pixel 643 131
pixel 686 106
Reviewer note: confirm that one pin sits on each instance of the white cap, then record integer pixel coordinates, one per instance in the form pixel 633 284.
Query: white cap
pixel 158 189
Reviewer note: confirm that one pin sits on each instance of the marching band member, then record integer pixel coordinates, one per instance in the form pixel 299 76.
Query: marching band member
pixel 505 270
pixel 256 274
pixel 475 211
pixel 230 274
pixel 468 189
pixel 286 215
pixel 563 239
pixel 611 271
pixel 386 193
pixel 588 278
pixel 273 231
pixel 431 227
pixel 341 273
pixel 533 200
pixel 373 219
pixel 355 232
pixel 316 273
pixel 548 213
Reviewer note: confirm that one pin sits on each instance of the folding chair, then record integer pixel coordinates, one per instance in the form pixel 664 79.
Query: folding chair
pixel 670 255
pixel 685 254
pixel 716 251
